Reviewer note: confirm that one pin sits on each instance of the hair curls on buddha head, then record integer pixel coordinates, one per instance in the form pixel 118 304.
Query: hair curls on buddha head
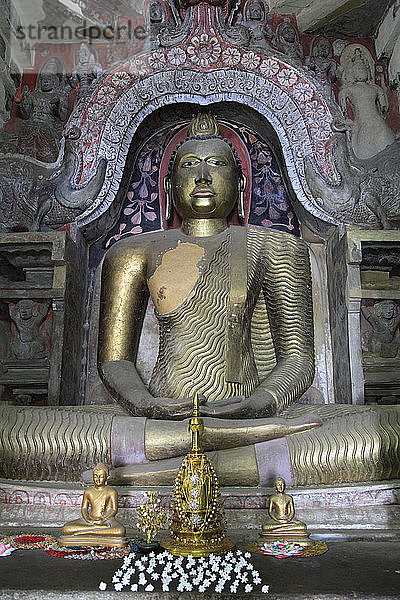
pixel 204 126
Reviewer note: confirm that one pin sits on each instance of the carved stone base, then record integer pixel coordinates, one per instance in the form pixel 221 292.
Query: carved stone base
pixel 72 541
pixel 301 538
pixel 363 507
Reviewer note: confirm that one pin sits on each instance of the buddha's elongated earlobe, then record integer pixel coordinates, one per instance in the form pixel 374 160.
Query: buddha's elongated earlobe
pixel 242 187
pixel 168 198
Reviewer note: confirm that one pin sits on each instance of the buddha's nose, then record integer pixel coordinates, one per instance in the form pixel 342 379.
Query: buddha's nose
pixel 203 175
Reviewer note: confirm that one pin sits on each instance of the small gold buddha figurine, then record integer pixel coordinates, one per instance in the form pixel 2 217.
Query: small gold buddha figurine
pixel 282 525
pixel 97 525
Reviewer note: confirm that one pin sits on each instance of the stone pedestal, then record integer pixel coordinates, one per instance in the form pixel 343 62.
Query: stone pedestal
pixel 373 506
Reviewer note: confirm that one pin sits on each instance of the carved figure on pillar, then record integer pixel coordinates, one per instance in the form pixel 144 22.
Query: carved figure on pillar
pixel 28 316
pixel 38 136
pixel 87 70
pixel 370 134
pixel 384 317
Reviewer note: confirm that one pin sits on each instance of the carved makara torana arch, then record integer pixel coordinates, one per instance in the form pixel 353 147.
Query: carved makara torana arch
pixel 205 69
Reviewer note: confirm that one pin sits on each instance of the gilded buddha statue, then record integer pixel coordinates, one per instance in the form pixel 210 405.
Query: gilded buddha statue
pixel 235 320
pixel 97 526
pixel 282 524
pixel 233 303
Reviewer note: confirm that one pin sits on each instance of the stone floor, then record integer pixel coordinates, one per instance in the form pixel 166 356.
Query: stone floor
pixel 363 568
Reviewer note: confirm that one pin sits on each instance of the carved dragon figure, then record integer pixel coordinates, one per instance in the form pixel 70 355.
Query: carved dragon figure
pixel 35 194
pixel 369 190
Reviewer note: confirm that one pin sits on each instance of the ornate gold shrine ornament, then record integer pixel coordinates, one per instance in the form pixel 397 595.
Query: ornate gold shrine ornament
pixel 197 526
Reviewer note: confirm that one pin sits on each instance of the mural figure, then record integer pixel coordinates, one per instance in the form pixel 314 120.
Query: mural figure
pixel 322 64
pixel 157 22
pixel 286 40
pixel 87 70
pixel 28 316
pixel 255 19
pixel 38 136
pixel 370 133
pixel 384 317
pixel 120 49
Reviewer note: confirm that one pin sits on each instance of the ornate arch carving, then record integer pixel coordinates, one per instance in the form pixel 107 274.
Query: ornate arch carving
pixel 287 96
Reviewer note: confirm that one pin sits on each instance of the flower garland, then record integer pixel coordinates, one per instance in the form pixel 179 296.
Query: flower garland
pixel 286 549
pixel 232 572
pixel 87 553
pixel 283 549
pixel 50 545
pixel 29 542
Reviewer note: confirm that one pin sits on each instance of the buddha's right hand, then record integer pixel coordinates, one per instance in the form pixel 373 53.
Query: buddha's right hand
pixel 124 383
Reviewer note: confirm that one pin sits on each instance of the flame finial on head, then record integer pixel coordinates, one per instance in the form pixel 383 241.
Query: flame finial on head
pixel 204 124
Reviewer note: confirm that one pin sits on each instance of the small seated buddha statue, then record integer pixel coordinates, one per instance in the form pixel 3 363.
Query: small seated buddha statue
pixel 97 525
pixel 282 525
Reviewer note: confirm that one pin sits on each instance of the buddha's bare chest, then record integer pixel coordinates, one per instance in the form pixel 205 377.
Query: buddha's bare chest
pixel 174 272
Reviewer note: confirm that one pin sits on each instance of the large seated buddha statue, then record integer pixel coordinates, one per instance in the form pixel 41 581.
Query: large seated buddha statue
pixel 234 309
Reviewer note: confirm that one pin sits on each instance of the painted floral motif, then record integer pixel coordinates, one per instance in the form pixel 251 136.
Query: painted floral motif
pixel 157 60
pixel 176 56
pixel 138 67
pixel 287 77
pixel 302 91
pixel 319 131
pixel 269 67
pixel 204 50
pixel 120 79
pixel 250 60
pixel 95 112
pixel 314 110
pixel 106 94
pixel 231 57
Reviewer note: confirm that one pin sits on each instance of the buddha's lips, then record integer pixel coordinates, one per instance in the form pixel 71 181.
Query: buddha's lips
pixel 203 193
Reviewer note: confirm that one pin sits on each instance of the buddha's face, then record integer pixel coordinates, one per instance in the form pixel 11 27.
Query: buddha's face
pixel 99 477
pixel 204 179
pixel 280 485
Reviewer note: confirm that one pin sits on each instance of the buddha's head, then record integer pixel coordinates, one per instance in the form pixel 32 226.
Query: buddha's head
pixel 205 179
pixel 280 484
pixel 100 475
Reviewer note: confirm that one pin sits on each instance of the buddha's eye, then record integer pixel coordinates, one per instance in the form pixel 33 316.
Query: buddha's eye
pixel 217 161
pixel 189 162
